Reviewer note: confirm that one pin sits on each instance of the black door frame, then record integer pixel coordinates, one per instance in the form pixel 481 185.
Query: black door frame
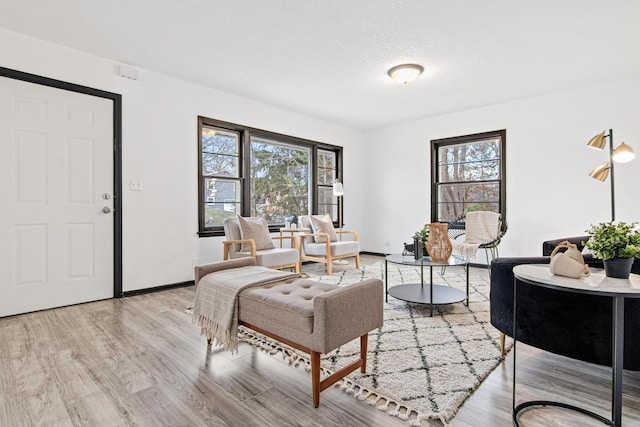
pixel 117 156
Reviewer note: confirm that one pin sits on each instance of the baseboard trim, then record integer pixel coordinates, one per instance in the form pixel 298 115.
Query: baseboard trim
pixel 372 253
pixel 158 288
pixel 382 255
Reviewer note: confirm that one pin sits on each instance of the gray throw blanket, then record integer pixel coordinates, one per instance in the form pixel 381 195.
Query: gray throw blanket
pixel 215 308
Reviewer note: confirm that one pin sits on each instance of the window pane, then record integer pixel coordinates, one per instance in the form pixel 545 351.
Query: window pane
pixel 222 200
pixel 450 211
pixel 473 161
pixel 456 199
pixel 327 174
pixel 280 176
pixel 327 202
pixel 326 167
pixel 332 210
pixel 220 152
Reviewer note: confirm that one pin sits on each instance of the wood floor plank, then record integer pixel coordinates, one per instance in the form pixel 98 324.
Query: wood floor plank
pixel 336 406
pixel 286 414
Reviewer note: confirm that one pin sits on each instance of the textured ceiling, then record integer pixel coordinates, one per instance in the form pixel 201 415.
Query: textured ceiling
pixel 329 58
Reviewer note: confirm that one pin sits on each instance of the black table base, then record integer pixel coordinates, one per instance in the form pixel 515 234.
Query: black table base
pixel 526 405
pixel 415 292
pixel 422 293
pixel 617 358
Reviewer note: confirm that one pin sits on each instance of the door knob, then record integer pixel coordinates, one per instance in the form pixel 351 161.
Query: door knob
pixel 106 210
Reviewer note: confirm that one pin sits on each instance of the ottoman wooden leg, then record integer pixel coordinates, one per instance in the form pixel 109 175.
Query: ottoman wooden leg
pixel 364 341
pixel 315 378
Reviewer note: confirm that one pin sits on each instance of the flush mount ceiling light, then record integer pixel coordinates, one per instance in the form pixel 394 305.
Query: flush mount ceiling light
pixel 405 73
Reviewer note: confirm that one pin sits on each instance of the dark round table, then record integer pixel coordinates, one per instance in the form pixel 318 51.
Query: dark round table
pixel 422 293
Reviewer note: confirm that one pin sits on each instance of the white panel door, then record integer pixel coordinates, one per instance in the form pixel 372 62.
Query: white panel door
pixel 56 183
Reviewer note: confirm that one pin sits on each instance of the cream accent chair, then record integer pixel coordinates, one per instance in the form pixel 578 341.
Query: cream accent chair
pixel 327 251
pixel 277 258
pixel 474 226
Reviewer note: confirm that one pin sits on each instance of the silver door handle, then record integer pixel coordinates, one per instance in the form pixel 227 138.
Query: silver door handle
pixel 106 210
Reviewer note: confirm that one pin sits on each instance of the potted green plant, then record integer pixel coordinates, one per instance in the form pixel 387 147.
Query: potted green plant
pixel 419 236
pixel 423 233
pixel 616 244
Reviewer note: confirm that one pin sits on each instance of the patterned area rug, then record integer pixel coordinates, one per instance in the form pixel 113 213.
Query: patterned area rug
pixel 418 367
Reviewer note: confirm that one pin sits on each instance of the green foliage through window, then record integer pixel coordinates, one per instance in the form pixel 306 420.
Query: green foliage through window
pixel 279 180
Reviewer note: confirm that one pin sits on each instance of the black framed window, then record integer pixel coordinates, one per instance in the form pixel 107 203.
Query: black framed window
pixel 468 174
pixel 253 172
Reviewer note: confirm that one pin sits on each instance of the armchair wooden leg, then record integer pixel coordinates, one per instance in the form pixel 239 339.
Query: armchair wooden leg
pixel 358 264
pixel 329 264
pixel 502 339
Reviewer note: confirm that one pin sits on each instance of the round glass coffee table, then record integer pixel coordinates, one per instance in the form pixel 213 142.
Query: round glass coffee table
pixel 426 294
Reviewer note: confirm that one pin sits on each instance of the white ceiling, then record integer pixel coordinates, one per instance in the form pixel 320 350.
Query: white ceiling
pixel 329 58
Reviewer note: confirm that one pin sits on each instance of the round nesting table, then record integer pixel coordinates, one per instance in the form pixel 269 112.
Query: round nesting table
pixel 596 284
pixel 418 292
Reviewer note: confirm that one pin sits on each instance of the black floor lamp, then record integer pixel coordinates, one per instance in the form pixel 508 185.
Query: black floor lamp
pixel 621 154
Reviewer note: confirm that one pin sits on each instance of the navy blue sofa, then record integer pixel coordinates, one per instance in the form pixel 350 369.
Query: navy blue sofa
pixel 576 326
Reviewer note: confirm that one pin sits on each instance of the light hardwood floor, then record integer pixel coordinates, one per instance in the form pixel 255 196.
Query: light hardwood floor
pixel 140 361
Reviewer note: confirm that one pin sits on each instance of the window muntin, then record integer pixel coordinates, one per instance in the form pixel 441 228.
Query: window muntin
pixel 468 175
pixel 280 180
pixel 246 171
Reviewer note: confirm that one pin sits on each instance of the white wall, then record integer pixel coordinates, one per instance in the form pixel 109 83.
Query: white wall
pixel 387 177
pixel 549 194
pixel 160 244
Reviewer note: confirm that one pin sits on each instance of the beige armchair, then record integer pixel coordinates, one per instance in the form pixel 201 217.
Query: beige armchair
pixel 276 257
pixel 346 245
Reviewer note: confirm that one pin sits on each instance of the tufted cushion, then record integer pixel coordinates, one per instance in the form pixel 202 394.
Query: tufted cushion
pixel 323 224
pixel 289 304
pixel 256 230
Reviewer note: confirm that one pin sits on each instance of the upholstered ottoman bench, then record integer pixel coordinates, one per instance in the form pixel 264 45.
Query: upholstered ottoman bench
pixel 310 316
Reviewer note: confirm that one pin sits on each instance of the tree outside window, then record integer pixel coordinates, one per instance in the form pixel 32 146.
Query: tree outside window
pixel 279 180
